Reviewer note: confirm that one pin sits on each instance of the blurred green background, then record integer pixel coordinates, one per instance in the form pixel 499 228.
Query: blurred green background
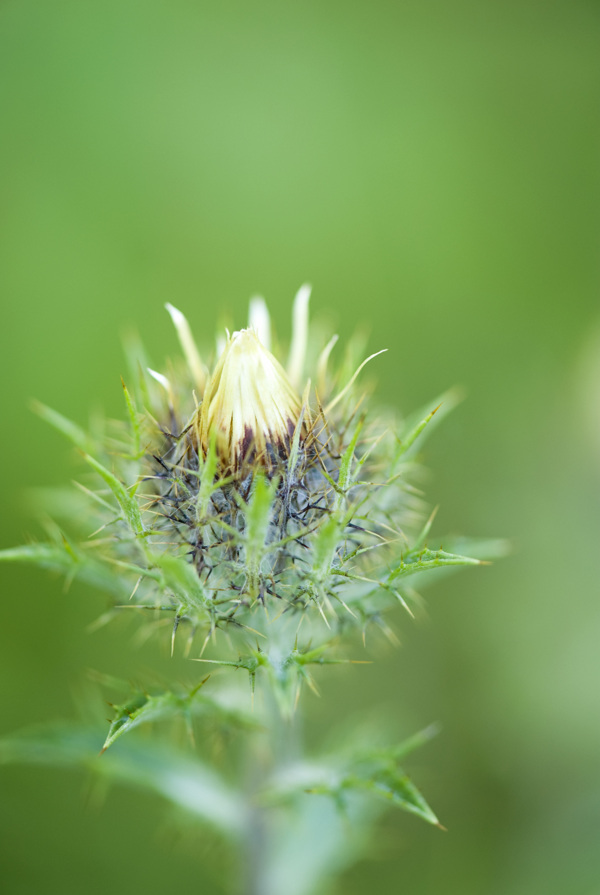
pixel 433 169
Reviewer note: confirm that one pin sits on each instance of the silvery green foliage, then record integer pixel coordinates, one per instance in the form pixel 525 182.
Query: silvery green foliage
pixel 264 566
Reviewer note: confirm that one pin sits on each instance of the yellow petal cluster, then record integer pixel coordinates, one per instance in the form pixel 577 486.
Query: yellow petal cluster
pixel 249 405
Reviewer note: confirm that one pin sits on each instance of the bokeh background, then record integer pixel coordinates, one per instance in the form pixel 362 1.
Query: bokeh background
pixel 432 168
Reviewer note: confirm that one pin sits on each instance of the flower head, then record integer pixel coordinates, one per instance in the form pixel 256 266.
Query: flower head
pixel 278 521
pixel 257 499
pixel 249 406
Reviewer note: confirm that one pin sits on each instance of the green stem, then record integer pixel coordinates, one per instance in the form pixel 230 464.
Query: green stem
pixel 280 744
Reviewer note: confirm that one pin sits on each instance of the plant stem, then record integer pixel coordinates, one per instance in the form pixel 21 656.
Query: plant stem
pixel 280 745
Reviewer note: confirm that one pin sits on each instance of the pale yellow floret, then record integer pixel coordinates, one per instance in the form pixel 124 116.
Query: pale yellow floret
pixel 249 404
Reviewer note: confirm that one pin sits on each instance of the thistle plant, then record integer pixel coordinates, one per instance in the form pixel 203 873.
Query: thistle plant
pixel 257 516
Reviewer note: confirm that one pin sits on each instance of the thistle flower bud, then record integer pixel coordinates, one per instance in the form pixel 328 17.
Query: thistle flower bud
pixel 249 406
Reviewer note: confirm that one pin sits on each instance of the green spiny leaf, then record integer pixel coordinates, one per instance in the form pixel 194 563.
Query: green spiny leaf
pixel 180 577
pixel 258 514
pixel 63 425
pixel 185 782
pixel 345 473
pixel 69 561
pixel 325 545
pixel 394 786
pixel 424 419
pixel 144 708
pixel 128 504
pixel 135 423
pixel 379 777
pixel 425 560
